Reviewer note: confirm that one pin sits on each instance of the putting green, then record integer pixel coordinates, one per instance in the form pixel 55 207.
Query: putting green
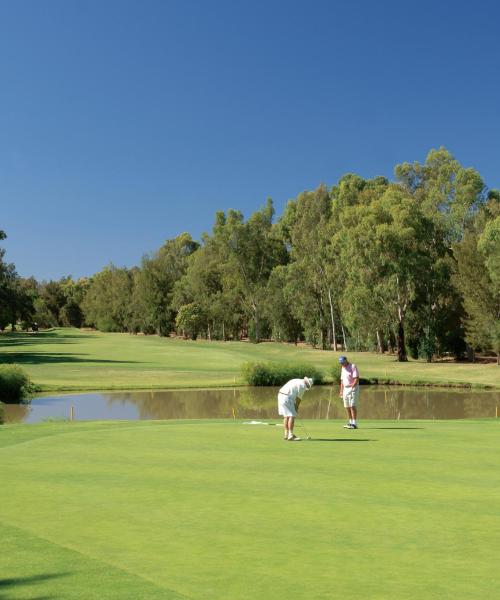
pixel 221 510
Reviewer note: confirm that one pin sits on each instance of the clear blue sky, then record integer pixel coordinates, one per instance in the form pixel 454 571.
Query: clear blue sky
pixel 124 123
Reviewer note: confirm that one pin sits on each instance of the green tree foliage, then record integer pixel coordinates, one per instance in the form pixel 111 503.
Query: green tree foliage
pixel 190 320
pixel 286 327
pixel 15 301
pixel 107 302
pixel 447 192
pixel 248 252
pixel 310 286
pixel 477 277
pixel 411 266
pixel 154 285
pixel 202 284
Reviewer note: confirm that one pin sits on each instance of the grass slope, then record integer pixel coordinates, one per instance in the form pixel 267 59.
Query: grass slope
pixel 220 510
pixel 69 359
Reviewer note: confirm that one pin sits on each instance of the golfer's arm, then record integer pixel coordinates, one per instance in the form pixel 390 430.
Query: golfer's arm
pixel 356 382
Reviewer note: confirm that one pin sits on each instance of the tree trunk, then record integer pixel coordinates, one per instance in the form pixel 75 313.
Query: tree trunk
pixel 256 321
pixel 345 341
pixel 379 343
pixel 333 321
pixel 209 335
pixel 401 343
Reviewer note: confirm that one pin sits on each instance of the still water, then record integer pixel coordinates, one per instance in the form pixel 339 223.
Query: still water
pixel 376 402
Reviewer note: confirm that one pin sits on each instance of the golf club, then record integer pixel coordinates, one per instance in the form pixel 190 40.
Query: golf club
pixel 308 437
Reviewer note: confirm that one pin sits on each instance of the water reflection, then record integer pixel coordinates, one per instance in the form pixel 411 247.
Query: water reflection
pixel 259 403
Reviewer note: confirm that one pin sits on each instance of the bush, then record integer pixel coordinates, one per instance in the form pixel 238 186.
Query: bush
pixel 335 372
pixel 427 346
pixel 15 384
pixel 278 374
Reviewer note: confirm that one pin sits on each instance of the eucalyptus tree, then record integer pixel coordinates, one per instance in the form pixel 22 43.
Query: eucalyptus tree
pixel 385 259
pixel 478 278
pixel 361 311
pixel 202 284
pixel 447 192
pixel 280 292
pixel 306 226
pixel 450 196
pixel 71 314
pixel 15 301
pixel 107 301
pixel 248 252
pixel 190 319
pixel 155 283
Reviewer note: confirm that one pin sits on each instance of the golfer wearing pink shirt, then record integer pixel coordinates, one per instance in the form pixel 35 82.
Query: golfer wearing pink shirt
pixel 349 390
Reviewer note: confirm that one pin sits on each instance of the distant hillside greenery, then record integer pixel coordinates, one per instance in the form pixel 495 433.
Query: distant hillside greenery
pixel 410 266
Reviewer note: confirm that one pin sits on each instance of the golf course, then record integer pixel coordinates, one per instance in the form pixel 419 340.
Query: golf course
pixel 249 300
pixel 223 509
pixel 72 359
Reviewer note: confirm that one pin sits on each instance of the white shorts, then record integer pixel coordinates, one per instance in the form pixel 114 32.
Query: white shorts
pixel 351 396
pixel 286 406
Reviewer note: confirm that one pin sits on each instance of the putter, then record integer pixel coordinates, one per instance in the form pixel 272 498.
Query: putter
pixel 308 437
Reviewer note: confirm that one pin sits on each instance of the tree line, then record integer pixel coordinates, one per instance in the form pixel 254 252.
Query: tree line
pixel 410 266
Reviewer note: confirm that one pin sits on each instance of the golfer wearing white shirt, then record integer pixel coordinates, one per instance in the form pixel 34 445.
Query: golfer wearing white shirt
pixel 289 398
pixel 349 390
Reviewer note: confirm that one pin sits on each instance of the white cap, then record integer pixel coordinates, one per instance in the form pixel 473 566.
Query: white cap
pixel 309 382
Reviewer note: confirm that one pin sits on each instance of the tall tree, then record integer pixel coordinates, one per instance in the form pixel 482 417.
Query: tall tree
pixel 478 278
pixel 447 192
pixel 155 284
pixel 383 252
pixel 107 302
pixel 306 223
pixel 249 250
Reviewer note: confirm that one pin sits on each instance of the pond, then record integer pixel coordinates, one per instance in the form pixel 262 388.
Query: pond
pixel 377 402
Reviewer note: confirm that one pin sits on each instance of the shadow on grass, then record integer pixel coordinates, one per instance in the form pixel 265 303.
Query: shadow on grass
pixel 394 428
pixel 40 358
pixel 339 440
pixel 14 582
pixel 7 340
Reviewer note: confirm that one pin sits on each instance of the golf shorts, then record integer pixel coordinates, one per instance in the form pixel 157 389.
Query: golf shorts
pixel 286 406
pixel 351 396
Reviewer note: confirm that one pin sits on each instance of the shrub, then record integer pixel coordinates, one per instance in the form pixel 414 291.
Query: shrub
pixel 278 374
pixel 335 372
pixel 427 346
pixel 15 384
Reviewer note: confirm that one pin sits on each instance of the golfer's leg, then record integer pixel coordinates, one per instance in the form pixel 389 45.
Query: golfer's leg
pixel 291 424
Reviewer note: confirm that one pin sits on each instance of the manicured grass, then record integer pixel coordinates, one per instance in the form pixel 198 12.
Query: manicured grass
pixel 69 359
pixel 220 510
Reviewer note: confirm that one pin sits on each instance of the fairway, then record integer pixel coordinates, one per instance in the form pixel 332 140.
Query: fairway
pixel 222 510
pixel 70 359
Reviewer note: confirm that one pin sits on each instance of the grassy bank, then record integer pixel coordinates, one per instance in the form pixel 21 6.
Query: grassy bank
pixel 222 510
pixel 69 359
